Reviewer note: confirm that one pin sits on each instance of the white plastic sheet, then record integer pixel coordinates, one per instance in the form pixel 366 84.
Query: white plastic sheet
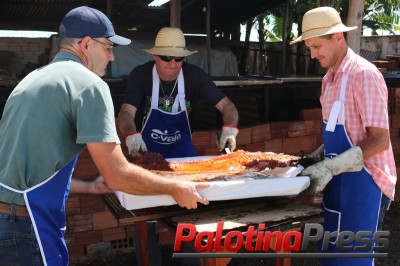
pixel 276 182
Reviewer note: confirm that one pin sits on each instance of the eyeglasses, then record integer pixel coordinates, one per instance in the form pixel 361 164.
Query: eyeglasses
pixel 166 58
pixel 109 46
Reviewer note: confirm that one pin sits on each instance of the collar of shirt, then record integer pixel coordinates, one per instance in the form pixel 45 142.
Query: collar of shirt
pixel 344 66
pixel 65 56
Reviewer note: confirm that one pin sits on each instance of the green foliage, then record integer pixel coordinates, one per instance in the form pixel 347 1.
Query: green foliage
pixel 378 15
pixel 382 15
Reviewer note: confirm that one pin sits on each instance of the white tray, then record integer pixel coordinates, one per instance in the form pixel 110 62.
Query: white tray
pixel 277 182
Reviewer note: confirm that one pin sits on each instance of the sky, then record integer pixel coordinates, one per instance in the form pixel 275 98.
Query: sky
pixel 47 34
pixel 27 34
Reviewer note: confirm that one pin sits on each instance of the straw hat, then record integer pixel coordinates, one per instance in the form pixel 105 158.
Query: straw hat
pixel 170 42
pixel 321 21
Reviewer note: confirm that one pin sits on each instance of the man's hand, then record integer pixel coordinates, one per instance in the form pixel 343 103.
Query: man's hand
pixel 228 138
pixel 135 143
pixel 321 173
pixel 98 186
pixel 186 195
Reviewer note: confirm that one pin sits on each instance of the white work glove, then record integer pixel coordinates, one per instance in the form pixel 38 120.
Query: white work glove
pixel 135 143
pixel 321 173
pixel 228 138
pixel 313 158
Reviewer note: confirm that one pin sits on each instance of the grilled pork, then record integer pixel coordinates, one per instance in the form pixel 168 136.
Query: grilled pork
pixel 235 163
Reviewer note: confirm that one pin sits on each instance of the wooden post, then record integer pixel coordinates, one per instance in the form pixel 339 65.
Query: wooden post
pixel 284 40
pixel 175 13
pixel 109 15
pixel 354 18
pixel 208 25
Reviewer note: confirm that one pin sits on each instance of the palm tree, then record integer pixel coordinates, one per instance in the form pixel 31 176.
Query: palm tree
pixel 382 15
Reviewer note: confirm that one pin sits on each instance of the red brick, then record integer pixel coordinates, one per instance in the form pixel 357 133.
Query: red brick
pixel 212 151
pixel 113 234
pixel 319 140
pixel 103 220
pixel 274 145
pixel 260 133
pixel 395 121
pixel 296 146
pixel 279 130
pixel 199 151
pixel 76 251
pixel 311 114
pixel 129 231
pixel 89 237
pixel 69 239
pixel 91 203
pixel 244 136
pixel 201 139
pixel 79 223
pixel 213 139
pixel 253 147
pixel 313 127
pixel 296 129
pixel 72 205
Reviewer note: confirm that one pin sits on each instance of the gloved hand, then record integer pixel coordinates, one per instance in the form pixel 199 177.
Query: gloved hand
pixel 321 173
pixel 228 138
pixel 135 143
pixel 313 158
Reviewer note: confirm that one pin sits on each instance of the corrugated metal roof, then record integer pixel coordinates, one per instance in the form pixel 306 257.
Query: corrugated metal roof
pixel 127 14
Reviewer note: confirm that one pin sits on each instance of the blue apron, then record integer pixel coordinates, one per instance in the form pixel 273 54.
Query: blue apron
pixel 351 200
pixel 168 133
pixel 46 205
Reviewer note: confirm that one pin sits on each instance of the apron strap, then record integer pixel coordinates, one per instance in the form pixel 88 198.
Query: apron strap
pixel 337 111
pixel 180 97
pixel 156 89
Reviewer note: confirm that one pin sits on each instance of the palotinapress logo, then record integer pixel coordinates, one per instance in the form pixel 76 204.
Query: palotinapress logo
pixel 289 244
pixel 165 138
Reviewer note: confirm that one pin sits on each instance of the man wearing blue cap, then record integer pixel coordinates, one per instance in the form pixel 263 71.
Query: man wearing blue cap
pixel 53 114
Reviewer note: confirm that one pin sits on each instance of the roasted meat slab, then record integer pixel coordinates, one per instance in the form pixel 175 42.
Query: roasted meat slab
pixel 232 164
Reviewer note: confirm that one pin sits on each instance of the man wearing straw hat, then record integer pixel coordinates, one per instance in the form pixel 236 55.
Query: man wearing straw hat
pixel 356 171
pixel 162 94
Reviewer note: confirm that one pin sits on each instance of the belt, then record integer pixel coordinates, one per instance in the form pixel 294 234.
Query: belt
pixel 6 208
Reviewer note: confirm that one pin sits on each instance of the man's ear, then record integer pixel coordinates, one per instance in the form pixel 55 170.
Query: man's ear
pixel 339 36
pixel 83 44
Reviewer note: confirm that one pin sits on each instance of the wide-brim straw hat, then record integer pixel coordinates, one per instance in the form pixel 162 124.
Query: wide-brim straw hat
pixel 170 42
pixel 321 21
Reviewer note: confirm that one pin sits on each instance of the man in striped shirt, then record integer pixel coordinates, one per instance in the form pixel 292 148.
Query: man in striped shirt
pixel 357 172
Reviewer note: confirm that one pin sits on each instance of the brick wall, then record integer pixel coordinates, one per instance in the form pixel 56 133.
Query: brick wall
pixel 15 53
pixel 394 119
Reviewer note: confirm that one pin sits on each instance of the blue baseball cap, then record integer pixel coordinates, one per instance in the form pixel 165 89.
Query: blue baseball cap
pixel 85 21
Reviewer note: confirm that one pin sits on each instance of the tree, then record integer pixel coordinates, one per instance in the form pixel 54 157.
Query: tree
pixel 382 15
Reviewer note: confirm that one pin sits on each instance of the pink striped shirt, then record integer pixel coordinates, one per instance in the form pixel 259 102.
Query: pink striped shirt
pixel 366 102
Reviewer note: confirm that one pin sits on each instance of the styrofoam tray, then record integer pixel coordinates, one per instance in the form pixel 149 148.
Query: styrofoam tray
pixel 277 182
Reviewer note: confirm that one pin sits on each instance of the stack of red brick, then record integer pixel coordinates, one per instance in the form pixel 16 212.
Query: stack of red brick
pixel 294 137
